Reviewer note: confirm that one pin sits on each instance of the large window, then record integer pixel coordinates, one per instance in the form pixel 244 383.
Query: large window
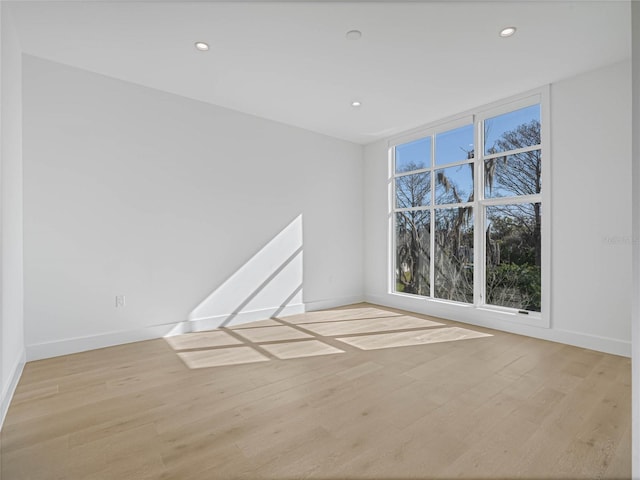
pixel 467 212
pixel 512 209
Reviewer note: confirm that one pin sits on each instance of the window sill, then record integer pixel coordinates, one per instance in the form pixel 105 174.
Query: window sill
pixel 469 313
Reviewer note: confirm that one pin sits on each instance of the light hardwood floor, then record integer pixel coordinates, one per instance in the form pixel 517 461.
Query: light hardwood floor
pixel 353 392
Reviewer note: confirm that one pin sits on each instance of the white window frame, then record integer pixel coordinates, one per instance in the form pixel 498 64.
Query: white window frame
pixel 442 127
pixel 539 96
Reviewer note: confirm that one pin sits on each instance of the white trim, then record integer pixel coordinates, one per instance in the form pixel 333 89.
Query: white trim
pixel 514 200
pixel 432 225
pixel 413 209
pixel 445 206
pixel 332 303
pixel 537 316
pixel 69 346
pixel 545 261
pixel 481 317
pixel 456 163
pixel 10 389
pixel 412 172
pixel 231 319
pixel 391 222
pixel 449 206
pixel 479 258
pixel 512 153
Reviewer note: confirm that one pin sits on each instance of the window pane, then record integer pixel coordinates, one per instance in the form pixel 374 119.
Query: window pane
pixel 454 184
pixel 513 256
pixel 413 190
pixel 414 155
pixel 454 254
pixel 513 130
pixel 412 252
pixel 513 175
pixel 454 145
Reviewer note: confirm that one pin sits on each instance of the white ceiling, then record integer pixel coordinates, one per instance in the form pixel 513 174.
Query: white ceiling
pixel 291 62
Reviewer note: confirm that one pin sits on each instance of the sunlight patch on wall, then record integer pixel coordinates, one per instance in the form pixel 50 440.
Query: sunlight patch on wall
pixel 267 284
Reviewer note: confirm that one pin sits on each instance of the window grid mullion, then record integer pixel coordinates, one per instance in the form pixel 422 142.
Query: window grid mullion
pixel 508 153
pixel 412 172
pixel 412 209
pixel 515 200
pixel 453 164
pixel 478 254
pixel 432 222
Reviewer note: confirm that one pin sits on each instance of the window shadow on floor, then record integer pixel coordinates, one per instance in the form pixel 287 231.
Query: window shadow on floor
pixel 330 332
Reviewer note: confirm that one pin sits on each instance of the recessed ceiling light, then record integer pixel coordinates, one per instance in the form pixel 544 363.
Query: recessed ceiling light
pixel 354 34
pixel 202 46
pixel 356 104
pixel 507 31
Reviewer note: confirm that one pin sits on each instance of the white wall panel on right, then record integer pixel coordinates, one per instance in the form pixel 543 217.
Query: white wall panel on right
pixel 591 203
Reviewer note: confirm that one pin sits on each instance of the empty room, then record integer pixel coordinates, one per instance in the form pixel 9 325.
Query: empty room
pixel 326 240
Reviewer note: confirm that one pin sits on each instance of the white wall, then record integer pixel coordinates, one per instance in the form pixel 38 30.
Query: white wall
pixel 635 384
pixel 591 203
pixel 12 333
pixel 590 211
pixel 4 405
pixel 132 191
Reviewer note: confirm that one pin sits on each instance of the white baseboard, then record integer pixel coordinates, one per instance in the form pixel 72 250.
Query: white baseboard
pixel 483 319
pixel 91 342
pixel 68 346
pixel 332 303
pixel 10 388
pixel 229 320
pixel 494 320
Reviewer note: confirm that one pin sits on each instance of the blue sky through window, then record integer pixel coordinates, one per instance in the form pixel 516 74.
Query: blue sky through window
pixel 495 127
pixel 453 145
pixel 413 155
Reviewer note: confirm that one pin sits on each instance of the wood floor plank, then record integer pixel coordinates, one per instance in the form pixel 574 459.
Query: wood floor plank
pixel 353 392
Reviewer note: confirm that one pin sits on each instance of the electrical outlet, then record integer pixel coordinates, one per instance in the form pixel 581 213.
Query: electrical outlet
pixel 120 301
